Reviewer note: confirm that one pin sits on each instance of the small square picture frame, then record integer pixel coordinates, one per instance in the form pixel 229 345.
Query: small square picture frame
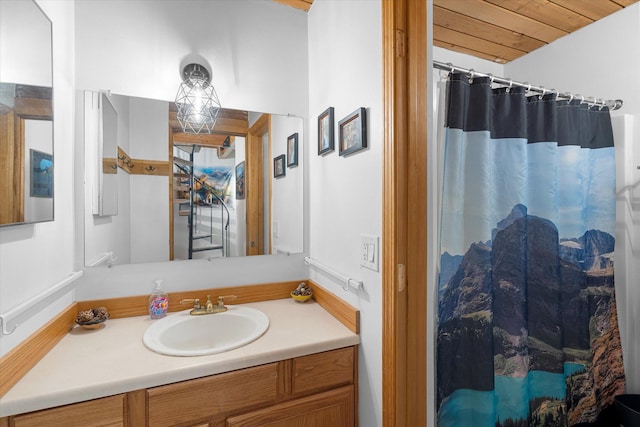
pixel 279 166
pixel 352 132
pixel 326 132
pixel 292 150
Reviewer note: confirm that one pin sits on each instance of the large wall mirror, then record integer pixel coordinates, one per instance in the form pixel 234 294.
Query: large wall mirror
pixel 26 115
pixel 184 196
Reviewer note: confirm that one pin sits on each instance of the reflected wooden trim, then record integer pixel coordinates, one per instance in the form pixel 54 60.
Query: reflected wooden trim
pixel 224 125
pixel 171 195
pixel 109 165
pixel 34 108
pixel 142 167
pixel 254 184
pixel 15 364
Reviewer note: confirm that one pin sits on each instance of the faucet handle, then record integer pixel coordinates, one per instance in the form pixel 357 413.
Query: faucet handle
pixel 195 301
pixel 222 298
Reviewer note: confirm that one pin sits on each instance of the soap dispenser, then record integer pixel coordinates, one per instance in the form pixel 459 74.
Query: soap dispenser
pixel 158 301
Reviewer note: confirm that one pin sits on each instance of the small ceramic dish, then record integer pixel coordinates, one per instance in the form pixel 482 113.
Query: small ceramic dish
pixel 93 324
pixel 300 298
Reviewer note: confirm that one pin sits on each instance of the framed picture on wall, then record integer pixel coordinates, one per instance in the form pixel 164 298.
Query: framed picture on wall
pixel 352 132
pixel 292 150
pixel 240 195
pixel 279 169
pixel 41 174
pixel 325 132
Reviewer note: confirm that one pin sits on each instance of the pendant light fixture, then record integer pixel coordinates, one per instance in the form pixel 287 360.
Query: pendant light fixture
pixel 197 101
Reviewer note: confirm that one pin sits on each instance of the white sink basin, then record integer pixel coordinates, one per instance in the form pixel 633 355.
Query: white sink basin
pixel 181 334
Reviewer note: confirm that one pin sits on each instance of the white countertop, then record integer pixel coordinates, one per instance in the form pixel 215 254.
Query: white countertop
pixel 89 364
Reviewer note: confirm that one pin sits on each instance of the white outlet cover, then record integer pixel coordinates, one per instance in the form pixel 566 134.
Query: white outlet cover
pixel 369 250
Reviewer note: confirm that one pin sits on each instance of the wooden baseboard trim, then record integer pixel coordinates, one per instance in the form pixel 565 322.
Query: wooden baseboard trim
pixel 345 313
pixel 138 305
pixel 15 364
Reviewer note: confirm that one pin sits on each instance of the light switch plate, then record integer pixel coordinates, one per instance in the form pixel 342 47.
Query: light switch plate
pixel 369 252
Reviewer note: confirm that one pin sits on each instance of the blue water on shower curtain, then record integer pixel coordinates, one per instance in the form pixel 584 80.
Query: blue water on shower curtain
pixel 508 397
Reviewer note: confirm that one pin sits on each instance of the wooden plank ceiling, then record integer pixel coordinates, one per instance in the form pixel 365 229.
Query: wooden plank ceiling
pixel 503 30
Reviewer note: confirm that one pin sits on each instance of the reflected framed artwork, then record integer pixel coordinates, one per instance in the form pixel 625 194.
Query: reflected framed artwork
pixel 292 150
pixel 279 169
pixel 325 132
pixel 240 195
pixel 41 174
pixel 352 132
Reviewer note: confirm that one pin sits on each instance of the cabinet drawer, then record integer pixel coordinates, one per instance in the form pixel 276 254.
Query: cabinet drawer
pixel 335 408
pixel 323 370
pixel 105 412
pixel 204 398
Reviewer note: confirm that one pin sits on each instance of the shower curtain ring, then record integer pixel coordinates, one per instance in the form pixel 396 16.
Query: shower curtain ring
pixel 491 78
pixel 510 84
pixel 471 74
pixel 543 92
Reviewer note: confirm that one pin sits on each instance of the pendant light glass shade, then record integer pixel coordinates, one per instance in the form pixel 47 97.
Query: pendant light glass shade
pixel 197 101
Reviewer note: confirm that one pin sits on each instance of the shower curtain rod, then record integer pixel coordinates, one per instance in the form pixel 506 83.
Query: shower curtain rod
pixel 613 104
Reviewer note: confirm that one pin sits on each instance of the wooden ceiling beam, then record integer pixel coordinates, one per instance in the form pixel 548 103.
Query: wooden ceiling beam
pixel 224 126
pixel 203 139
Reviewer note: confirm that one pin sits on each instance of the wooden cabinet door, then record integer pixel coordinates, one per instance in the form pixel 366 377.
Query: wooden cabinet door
pixel 334 408
pixel 105 412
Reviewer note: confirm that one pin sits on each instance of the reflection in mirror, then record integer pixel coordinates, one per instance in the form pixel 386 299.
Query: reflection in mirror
pixel 106 201
pixel 26 154
pixel 26 114
pixel 187 196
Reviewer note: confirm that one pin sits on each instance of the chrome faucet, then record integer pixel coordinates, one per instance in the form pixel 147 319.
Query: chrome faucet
pixel 209 307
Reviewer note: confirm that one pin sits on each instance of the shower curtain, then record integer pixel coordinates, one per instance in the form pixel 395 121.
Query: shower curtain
pixel 527 323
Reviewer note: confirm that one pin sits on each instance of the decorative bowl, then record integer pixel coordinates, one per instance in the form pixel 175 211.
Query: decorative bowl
pixel 300 298
pixel 92 324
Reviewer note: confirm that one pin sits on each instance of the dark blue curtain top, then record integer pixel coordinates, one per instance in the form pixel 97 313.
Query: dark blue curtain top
pixel 509 113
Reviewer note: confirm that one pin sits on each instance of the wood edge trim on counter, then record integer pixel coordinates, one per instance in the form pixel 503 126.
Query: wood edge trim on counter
pixel 344 312
pixel 15 364
pixel 137 305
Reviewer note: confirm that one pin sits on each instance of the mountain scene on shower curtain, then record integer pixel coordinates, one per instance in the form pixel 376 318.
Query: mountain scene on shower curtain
pixel 528 317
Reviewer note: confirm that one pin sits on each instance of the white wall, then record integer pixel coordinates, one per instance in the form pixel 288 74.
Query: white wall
pixel 34 257
pixel 603 60
pixel 256 49
pixel 345 200
pixel 25 44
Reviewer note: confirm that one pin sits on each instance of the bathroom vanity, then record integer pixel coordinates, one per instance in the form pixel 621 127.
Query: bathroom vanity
pixel 302 371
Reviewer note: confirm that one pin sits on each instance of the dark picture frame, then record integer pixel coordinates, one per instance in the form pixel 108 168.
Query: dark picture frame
pixel 240 183
pixel 292 150
pixel 352 132
pixel 326 132
pixel 279 169
pixel 41 174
